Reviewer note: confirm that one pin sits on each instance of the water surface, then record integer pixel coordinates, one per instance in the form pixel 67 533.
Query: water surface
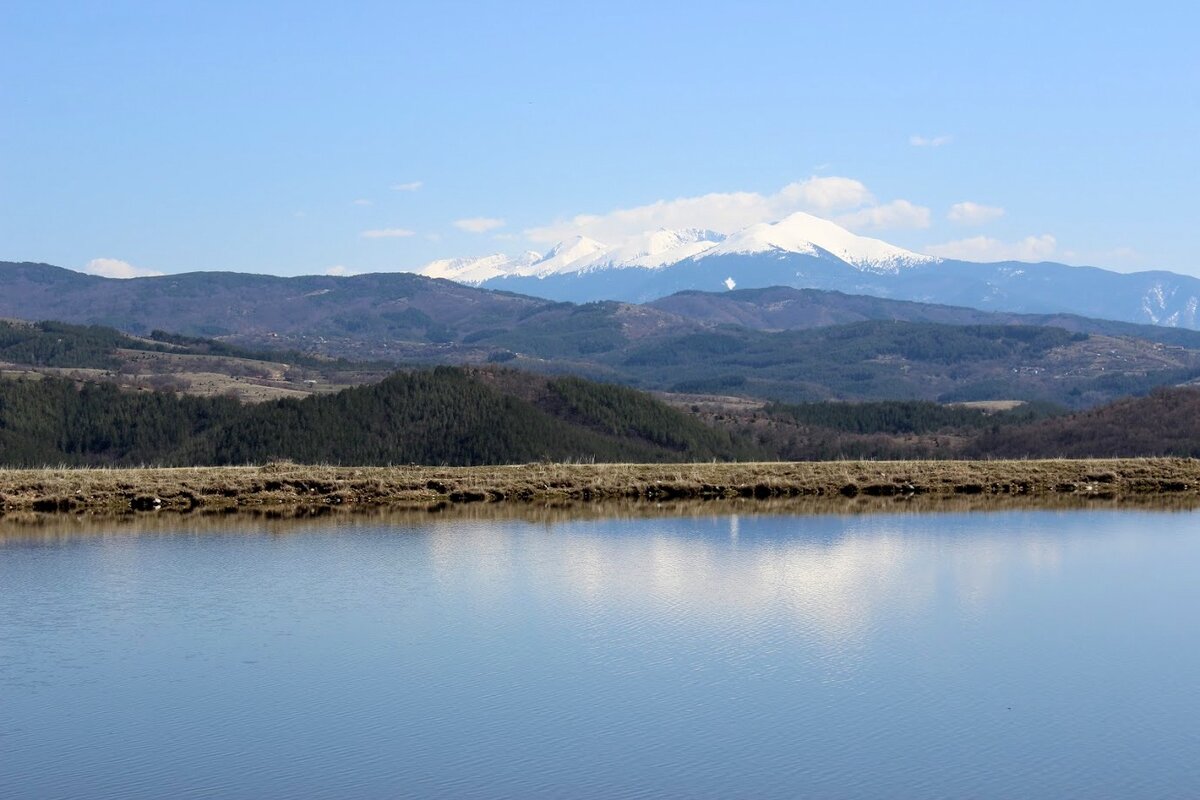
pixel 1022 653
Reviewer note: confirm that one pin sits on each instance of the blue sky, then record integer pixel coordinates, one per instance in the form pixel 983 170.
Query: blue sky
pixel 297 137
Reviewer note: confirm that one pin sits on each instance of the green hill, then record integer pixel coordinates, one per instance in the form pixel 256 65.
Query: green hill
pixel 440 416
pixel 1167 423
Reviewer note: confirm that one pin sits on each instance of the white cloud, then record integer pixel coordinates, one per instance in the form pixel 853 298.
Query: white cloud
pixel 889 216
pixel 1123 253
pixel 930 141
pixel 362 201
pixel 115 268
pixel 724 212
pixel 1118 258
pixel 386 233
pixel 340 271
pixel 478 224
pixel 1121 257
pixel 983 248
pixel 968 213
pixel 825 195
pixel 411 186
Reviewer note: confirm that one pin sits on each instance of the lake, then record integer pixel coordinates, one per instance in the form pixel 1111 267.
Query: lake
pixel 1018 653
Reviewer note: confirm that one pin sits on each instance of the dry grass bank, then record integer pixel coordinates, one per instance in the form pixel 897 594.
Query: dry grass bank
pixel 20 527
pixel 287 485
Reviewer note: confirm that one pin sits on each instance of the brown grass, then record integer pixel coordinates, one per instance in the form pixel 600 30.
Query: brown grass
pixel 284 520
pixel 285 485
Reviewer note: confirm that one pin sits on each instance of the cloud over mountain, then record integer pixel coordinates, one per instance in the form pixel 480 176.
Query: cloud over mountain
pixel 115 268
pixel 727 212
pixel 896 215
pixel 478 224
pixel 985 248
pixel 968 213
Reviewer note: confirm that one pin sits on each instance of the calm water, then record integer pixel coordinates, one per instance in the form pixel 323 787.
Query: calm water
pixel 1014 654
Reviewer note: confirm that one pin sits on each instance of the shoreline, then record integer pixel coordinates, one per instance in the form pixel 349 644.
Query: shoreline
pixel 285 485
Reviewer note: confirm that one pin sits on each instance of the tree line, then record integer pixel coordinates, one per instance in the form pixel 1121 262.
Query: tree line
pixel 443 415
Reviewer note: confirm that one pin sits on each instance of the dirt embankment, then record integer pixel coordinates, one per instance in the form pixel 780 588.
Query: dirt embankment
pixel 284 485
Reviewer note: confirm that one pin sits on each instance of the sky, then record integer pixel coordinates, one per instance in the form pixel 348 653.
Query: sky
pixel 307 138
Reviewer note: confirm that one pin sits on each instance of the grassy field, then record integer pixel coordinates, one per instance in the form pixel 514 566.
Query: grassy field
pixel 248 380
pixel 284 486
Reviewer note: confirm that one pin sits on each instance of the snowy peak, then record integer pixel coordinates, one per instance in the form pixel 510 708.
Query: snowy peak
pixel 478 270
pixel 808 235
pixel 660 248
pixel 799 233
pixel 664 240
pixel 581 254
pixel 567 256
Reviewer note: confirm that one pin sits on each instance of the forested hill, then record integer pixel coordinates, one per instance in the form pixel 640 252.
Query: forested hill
pixel 1167 423
pixel 784 308
pixel 457 416
pixel 59 344
pixel 440 416
pixel 167 361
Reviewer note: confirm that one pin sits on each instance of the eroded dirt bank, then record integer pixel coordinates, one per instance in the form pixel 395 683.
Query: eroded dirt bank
pixel 288 485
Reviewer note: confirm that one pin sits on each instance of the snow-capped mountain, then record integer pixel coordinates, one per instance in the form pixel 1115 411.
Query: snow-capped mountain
pixel 568 256
pixel 800 233
pixel 661 248
pixel 805 234
pixel 579 254
pixel 803 251
pixel 478 270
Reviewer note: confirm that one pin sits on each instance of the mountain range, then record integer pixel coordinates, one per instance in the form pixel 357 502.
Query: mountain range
pixel 804 251
pixel 729 363
pixel 773 344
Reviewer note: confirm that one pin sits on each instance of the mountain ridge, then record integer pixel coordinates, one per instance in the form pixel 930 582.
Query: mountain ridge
pixel 798 233
pixel 883 349
pixel 408 308
pixel 804 251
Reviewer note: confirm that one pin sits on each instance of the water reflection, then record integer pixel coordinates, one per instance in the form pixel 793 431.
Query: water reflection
pixel 622 651
pixel 50 527
pixel 836 576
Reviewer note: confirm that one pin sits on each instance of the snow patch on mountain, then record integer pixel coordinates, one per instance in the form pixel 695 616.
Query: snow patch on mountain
pixel 1154 303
